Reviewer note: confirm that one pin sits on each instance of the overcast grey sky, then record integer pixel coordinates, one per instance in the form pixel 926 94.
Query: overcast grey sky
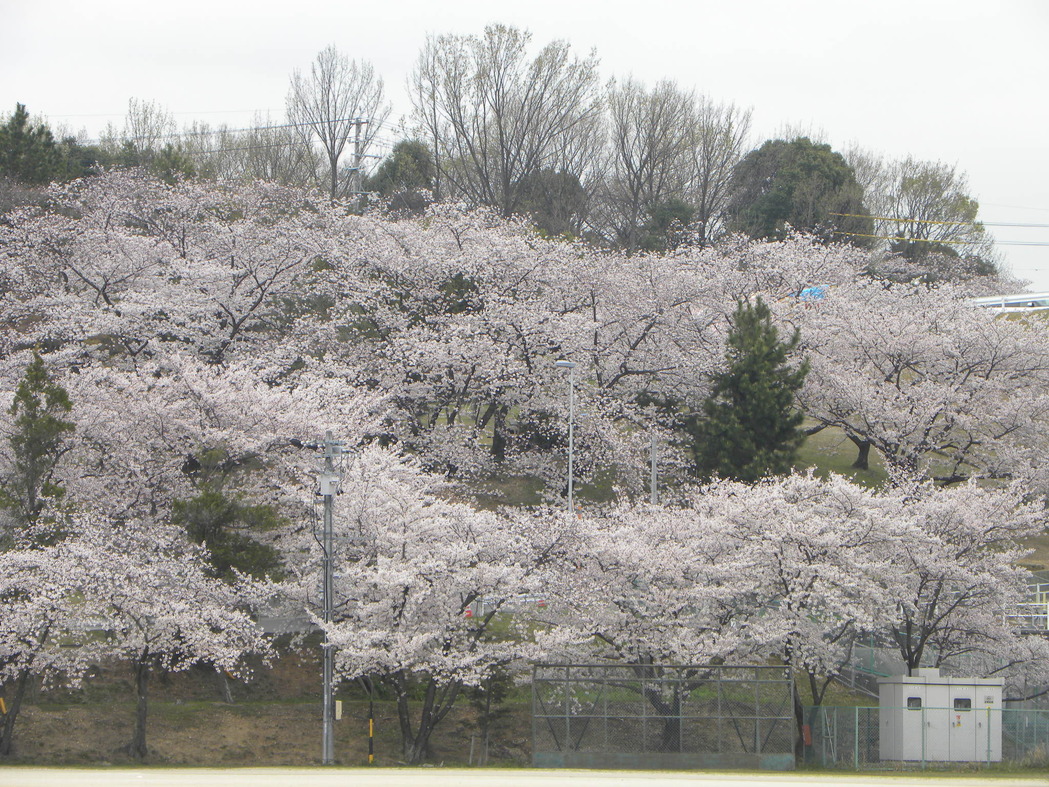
pixel 965 82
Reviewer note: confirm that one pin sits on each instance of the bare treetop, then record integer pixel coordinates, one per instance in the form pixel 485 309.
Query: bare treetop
pixel 339 97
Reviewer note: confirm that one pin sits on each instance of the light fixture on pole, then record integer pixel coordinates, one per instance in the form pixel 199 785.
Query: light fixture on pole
pixel 570 366
pixel 328 480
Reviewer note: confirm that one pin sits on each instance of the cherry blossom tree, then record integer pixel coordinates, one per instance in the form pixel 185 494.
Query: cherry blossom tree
pixel 818 568
pixel 934 384
pixel 789 568
pixel 130 590
pixel 957 580
pixel 410 568
pixel 133 264
pixel 34 590
pixel 147 590
pixel 651 586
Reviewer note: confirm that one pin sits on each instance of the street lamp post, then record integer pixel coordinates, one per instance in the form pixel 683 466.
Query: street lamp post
pixel 570 366
pixel 328 483
pixel 327 487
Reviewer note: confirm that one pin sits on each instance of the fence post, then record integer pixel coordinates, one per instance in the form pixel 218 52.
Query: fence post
pixel 757 715
pixel 680 702
pixel 856 738
pixel 568 712
pixel 535 720
pixel 644 716
pixel 604 701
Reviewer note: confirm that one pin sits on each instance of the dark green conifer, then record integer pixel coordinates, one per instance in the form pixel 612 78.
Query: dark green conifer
pixel 750 426
pixel 38 440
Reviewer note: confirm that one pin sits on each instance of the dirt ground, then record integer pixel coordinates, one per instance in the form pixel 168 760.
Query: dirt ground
pixel 450 777
pixel 216 734
pixel 273 720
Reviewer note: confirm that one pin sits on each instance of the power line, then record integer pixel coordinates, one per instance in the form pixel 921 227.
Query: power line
pixel 224 130
pixel 196 112
pixel 933 240
pixel 931 221
pixel 1012 224
pixel 1013 207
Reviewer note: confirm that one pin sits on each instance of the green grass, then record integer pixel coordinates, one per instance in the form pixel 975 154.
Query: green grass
pixel 512 491
pixel 1038 560
pixel 830 451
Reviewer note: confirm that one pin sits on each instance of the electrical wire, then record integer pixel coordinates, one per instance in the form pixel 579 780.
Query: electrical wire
pixel 931 221
pixel 933 240
pixel 225 130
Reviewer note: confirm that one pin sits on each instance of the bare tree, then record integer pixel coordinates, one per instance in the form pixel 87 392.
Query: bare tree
pixel 427 84
pixel 928 204
pixel 650 136
pixel 272 153
pixel 667 147
pixel 494 118
pixel 871 172
pixel 147 128
pixel 337 99
pixel 719 140
pixel 922 207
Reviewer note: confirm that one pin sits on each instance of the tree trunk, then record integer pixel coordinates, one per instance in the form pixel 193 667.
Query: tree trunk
pixel 499 434
pixel 227 692
pixel 137 747
pixel 670 738
pixel 812 719
pixel 333 162
pixel 667 708
pixel 8 729
pixel 863 457
pixel 415 745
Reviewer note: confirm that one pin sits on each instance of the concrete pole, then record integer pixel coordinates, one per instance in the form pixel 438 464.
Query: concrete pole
pixel 329 485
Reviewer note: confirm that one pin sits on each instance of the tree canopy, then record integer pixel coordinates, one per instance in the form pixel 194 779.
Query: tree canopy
pixel 28 152
pixel 227 324
pixel 799 183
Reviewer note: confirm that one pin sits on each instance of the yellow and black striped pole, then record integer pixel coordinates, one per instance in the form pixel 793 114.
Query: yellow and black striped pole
pixel 371 732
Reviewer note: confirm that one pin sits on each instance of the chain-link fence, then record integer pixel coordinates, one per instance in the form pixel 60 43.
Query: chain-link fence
pixel 644 716
pixel 869 738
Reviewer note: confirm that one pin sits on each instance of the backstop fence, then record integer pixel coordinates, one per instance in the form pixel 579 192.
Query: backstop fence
pixel 660 717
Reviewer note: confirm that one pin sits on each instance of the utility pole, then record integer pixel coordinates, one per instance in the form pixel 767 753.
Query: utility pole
pixel 328 483
pixel 357 183
pixel 570 366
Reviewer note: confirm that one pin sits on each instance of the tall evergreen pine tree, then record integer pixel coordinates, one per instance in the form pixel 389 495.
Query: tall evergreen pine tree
pixel 750 427
pixel 38 435
pixel 28 153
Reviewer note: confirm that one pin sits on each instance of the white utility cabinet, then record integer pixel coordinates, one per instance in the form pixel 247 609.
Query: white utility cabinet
pixel 930 717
